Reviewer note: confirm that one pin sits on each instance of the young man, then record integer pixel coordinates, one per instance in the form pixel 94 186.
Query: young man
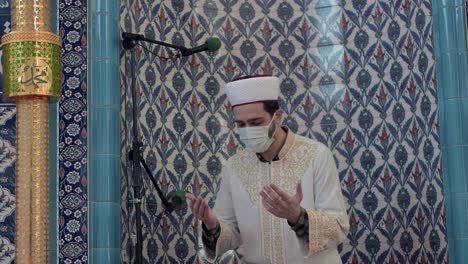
pixel 280 200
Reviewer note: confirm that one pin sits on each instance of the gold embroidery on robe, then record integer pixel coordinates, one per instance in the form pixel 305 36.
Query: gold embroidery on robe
pixel 295 158
pixel 323 228
pixel 228 239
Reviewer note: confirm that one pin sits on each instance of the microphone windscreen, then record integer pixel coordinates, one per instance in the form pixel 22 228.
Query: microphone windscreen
pixel 213 44
pixel 179 197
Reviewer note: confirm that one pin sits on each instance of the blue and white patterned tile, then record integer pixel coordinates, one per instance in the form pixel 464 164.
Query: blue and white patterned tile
pixel 7 157
pixel 73 178
pixel 7 181
pixel 5 24
pixel 396 138
pixel 5 7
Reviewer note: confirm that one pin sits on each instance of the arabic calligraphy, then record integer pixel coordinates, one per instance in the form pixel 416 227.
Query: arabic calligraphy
pixel 35 74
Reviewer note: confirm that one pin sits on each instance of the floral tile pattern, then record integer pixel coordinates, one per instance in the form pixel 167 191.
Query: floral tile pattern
pixel 7 182
pixel 73 181
pixel 357 75
pixel 7 158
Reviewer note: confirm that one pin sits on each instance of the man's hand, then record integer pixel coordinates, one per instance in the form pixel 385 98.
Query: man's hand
pixel 281 204
pixel 202 211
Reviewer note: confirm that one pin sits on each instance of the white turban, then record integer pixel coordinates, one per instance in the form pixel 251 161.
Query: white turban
pixel 253 89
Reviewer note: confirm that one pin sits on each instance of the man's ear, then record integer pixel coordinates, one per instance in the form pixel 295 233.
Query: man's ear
pixel 279 116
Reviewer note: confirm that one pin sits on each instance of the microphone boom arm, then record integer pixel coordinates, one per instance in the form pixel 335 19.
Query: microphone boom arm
pixel 129 40
pixel 165 202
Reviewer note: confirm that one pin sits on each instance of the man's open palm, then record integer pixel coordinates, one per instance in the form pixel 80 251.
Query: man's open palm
pixel 281 204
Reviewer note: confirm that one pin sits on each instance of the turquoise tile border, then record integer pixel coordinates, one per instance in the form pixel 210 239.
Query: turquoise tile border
pixel 103 97
pixel 462 76
pixel 451 251
pixel 452 121
pixel 105 178
pixel 450 232
pixel 104 29
pixel 447 33
pixel 446 3
pixel 460 26
pixel 104 124
pixel 104 6
pixel 105 236
pixel 450 33
pixel 105 256
pixel 460 253
pixel 446 179
pixel 455 169
pixel 459 217
pixel 104 132
pixel 464 115
pixel 449 75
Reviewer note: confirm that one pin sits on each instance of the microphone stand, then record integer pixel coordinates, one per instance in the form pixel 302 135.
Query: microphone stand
pixel 129 42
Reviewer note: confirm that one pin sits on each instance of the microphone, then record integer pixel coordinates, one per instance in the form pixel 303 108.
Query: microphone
pixel 175 201
pixel 212 44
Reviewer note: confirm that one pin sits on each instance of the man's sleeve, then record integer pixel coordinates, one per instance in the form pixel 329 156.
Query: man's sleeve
pixel 301 228
pixel 210 237
pixel 327 222
pixel 229 236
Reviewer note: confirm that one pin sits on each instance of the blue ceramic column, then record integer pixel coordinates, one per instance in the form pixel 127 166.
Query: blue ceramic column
pixel 104 132
pixel 450 33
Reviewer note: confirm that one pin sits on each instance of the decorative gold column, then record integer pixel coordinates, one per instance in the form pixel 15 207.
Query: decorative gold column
pixel 31 75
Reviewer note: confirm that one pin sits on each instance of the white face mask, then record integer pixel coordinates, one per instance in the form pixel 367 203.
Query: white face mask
pixel 256 138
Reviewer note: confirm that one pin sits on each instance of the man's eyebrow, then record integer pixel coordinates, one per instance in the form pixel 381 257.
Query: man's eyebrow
pixel 250 120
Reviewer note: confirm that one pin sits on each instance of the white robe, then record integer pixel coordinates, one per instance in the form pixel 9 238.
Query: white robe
pixel 264 238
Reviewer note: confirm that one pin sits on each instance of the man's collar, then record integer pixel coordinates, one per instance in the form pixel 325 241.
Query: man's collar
pixel 284 150
pixel 262 159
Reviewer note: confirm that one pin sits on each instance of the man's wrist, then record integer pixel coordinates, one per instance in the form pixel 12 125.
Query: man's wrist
pixel 295 216
pixel 211 225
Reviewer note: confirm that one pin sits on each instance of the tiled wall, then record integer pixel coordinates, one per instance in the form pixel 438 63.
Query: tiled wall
pixel 91 91
pixel 357 75
pixel 73 135
pixel 104 151
pixel 451 53
pixel 7 157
